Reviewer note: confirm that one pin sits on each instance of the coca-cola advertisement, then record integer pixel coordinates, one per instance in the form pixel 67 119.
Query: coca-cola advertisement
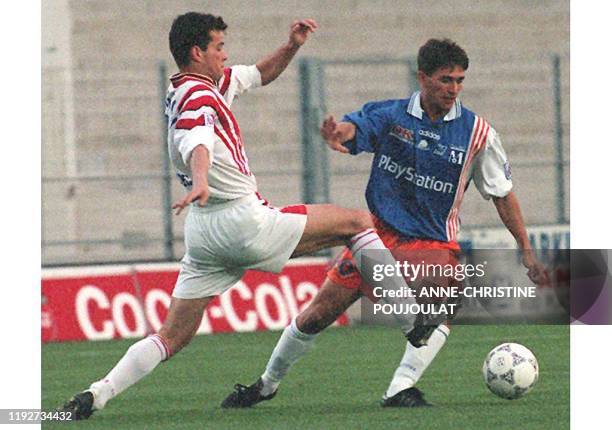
pixel 100 303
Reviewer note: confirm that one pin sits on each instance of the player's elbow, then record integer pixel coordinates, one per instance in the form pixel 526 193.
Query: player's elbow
pixel 268 78
pixel 267 74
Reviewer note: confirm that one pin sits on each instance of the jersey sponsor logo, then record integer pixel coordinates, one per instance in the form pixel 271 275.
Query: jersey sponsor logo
pixel 185 180
pixel 409 174
pixel 456 157
pixel 507 171
pixel 170 101
pixel 402 134
pixel 440 150
pixel 346 268
pixel 209 120
pixel 423 145
pixel 428 133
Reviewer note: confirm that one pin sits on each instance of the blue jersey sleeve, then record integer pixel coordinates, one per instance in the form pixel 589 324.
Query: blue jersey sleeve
pixel 371 121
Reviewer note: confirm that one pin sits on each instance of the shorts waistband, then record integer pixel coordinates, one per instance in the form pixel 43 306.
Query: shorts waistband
pixel 220 205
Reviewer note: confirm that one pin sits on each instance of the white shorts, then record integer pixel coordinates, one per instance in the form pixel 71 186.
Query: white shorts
pixel 224 240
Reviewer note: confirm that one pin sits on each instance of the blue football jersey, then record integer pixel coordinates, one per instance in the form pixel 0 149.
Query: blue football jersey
pixel 421 168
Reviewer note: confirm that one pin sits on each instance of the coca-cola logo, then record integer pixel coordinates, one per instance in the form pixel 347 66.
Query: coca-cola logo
pixel 99 303
pixel 101 315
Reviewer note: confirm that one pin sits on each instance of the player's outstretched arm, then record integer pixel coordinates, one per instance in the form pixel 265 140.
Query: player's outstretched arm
pixel 336 133
pixel 199 170
pixel 509 211
pixel 274 64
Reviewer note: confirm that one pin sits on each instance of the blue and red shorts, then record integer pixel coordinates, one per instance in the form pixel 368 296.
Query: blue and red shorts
pixel 344 270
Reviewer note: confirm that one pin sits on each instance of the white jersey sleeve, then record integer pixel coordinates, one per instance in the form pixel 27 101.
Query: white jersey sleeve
pixel 202 132
pixel 237 80
pixel 491 173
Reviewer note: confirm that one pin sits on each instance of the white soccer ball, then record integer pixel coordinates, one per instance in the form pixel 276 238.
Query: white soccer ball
pixel 510 370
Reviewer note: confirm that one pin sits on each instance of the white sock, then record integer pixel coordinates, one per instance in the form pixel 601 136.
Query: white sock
pixel 292 345
pixel 416 360
pixel 139 360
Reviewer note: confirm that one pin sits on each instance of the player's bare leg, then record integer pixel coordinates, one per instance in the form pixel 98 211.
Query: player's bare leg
pixel 329 303
pixel 184 318
pixel 182 322
pixel 329 225
pixel 297 339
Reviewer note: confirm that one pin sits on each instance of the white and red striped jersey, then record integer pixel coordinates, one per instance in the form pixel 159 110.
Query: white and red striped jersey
pixel 198 112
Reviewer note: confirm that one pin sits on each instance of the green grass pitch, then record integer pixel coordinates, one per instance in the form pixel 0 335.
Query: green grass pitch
pixel 338 385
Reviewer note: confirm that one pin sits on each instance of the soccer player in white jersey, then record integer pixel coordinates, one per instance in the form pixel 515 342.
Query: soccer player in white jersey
pixel 229 228
pixel 427 149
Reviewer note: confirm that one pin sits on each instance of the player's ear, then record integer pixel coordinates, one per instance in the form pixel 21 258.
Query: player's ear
pixel 421 76
pixel 196 53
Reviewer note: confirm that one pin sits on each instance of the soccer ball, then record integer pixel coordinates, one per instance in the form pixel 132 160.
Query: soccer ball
pixel 510 370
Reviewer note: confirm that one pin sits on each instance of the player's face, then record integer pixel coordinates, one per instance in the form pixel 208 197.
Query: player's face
pixel 213 59
pixel 440 90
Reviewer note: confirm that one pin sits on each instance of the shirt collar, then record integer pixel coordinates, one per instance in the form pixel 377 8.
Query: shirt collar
pixel 179 78
pixel 414 108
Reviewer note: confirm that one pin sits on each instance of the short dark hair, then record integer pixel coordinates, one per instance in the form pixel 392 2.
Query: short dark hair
pixel 189 30
pixel 436 54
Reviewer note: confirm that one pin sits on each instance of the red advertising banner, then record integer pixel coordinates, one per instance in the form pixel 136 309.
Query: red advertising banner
pixel 132 301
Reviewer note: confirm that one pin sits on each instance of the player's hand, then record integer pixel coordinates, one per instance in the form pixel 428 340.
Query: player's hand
pixel 300 31
pixel 332 135
pixel 536 271
pixel 197 194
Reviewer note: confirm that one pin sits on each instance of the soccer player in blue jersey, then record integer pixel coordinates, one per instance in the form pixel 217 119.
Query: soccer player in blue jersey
pixel 427 149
